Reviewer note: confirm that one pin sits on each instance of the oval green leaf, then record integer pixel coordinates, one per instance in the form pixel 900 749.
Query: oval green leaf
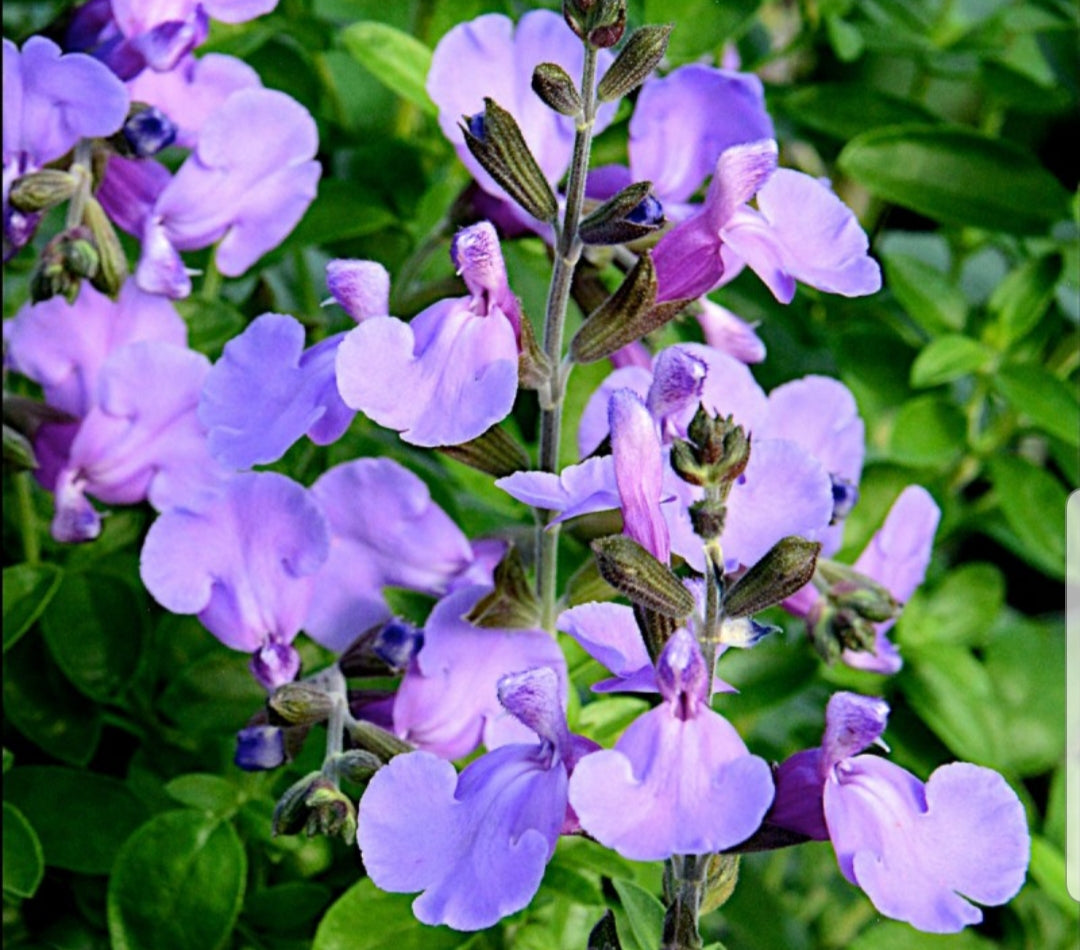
pixel 844 110
pixel 1033 502
pixel 24 865
pixel 365 918
pixel 28 588
pixel 928 296
pixel 928 431
pixel 1049 403
pixel 178 883
pixel 957 176
pixel 86 838
pixel 399 61
pixel 948 358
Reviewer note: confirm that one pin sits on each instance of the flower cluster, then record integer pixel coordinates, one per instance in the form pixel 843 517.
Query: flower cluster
pixel 707 499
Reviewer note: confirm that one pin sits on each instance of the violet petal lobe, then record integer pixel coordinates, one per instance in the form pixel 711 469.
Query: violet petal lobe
pixel 610 635
pixel 639 472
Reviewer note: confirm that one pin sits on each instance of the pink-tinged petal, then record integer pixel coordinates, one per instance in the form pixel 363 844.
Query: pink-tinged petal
pixel 62 346
pixel 740 172
pixel 447 701
pixel 749 240
pixel 918 851
pixel 687 260
pixel 813 236
pixel 784 491
pixel 897 557
pixel 362 288
pixel 191 92
pixel 577 490
pixel 265 392
pixel 395 537
pixel 684 121
pixel 728 333
pixel 639 472
pixel 489 57
pixel 610 635
pixel 593 427
pixel 244 563
pixel 51 100
pixel 443 379
pixel 657 792
pixel 129 190
pixel 479 848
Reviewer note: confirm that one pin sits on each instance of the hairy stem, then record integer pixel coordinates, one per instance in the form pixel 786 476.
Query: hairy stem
pixel 567 252
pixel 681 930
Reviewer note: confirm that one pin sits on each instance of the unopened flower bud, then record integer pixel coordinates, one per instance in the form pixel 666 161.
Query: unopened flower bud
pixel 788 566
pixel 384 744
pixel 631 214
pixel 835 629
pixel 495 452
pixel 275 664
pixel 146 132
pixel 356 765
pixel 600 23
pixel 259 748
pixel 381 649
pixel 721 444
pixel 554 86
pixel 65 261
pixel 299 704
pixel 707 518
pixel 362 288
pixel 721 876
pixel 635 62
pixel 330 812
pixel 684 461
pixel 848 589
pixel 42 189
pixel 113 269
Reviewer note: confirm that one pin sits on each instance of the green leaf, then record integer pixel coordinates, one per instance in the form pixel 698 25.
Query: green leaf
pixel 287 907
pixel 641 922
pixel 214 694
pixel 365 918
pixel 928 431
pixel 957 176
pixel 95 626
pixel 604 721
pixel 1048 402
pixel 210 793
pixel 85 838
pixel 1048 868
pixel 948 358
pixel 399 61
pixel 844 110
pixel 1022 298
pixel 342 210
pixel 178 883
pixel 211 324
pixel 28 588
pixel 926 294
pixel 1033 502
pixel 24 866
pixel 959 611
pixel 45 707
pixel 891 935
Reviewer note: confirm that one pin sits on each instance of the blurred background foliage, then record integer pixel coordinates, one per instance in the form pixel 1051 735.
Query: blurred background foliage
pixel 950 126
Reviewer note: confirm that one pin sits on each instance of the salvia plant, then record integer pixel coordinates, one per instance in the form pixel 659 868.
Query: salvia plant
pixel 537 617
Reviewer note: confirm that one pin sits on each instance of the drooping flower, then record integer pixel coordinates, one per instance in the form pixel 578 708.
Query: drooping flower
pixel 447 702
pixel 680 780
pixel 896 557
pixel 491 57
pixel 479 848
pixel 385 531
pixel 452 372
pixel 800 230
pixel 919 851
pixel 245 563
pixel 51 101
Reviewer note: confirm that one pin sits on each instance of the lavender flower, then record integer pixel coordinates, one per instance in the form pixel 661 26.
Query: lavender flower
pixel 244 562
pixel 679 780
pixel 917 850
pixel 51 101
pixel 479 848
pixel 799 231
pixel 452 372
pixel 447 702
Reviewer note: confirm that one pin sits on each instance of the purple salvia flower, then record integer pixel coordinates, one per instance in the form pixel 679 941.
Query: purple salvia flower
pixel 191 92
pixel 729 333
pixel 451 373
pixel 51 101
pixel 447 702
pixel 490 56
pixel 677 387
pixel 594 426
pixel 385 531
pixel 480 845
pixel 680 780
pixel 917 850
pixel 610 634
pixel 246 185
pixel 62 346
pixel 260 748
pixel 266 391
pixel 639 473
pixel 361 288
pixel 245 563
pixel 577 490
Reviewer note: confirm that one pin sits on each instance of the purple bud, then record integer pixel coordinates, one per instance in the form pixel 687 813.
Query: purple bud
pixel 845 494
pixel 259 748
pixel 477 126
pixel 649 213
pixel 275 664
pixel 397 643
pixel 148 132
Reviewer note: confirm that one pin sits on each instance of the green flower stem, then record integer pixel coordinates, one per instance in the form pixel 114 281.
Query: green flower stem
pixel 212 280
pixel 714 593
pixel 80 167
pixel 567 251
pixel 681 931
pixel 28 528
